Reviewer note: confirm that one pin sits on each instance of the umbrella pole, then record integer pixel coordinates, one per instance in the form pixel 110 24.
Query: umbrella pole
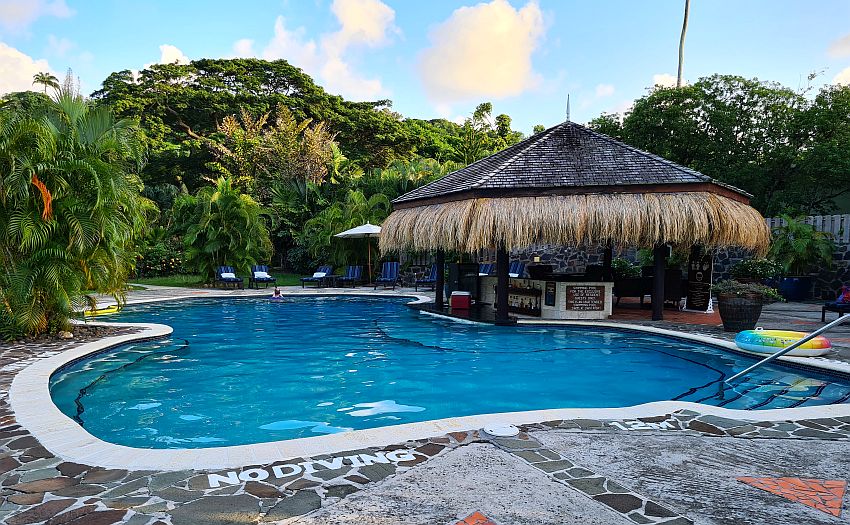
pixel 369 249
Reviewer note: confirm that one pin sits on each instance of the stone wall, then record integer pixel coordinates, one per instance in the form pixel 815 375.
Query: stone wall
pixel 576 259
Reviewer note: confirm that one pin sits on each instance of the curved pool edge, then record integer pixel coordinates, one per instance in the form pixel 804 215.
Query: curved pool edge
pixel 30 400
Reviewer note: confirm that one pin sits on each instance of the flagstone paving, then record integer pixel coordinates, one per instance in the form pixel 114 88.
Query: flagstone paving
pixel 676 468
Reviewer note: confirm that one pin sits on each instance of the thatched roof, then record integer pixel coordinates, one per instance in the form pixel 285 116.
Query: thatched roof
pixel 569 185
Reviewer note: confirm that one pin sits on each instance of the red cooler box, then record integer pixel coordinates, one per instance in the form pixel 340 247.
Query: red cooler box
pixel 460 300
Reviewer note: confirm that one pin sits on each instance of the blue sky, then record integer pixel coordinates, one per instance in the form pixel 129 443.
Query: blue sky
pixel 440 57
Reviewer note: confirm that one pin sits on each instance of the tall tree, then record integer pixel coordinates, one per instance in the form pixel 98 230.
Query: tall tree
pixel 71 211
pixel 47 80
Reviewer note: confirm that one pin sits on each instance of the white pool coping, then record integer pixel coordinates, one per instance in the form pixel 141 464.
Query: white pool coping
pixel 34 410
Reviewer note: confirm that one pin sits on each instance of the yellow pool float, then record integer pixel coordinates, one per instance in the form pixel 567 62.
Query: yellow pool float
pixel 104 311
pixel 769 341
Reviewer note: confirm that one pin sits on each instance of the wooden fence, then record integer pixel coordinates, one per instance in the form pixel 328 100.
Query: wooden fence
pixel 837 225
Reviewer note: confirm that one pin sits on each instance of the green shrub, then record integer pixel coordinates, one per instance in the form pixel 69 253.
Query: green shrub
pixel 731 286
pixel 756 269
pixel 623 268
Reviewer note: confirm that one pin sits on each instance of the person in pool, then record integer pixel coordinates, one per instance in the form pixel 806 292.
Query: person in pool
pixel 276 294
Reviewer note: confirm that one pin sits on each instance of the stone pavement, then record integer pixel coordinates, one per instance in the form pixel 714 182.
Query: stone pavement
pixel 677 468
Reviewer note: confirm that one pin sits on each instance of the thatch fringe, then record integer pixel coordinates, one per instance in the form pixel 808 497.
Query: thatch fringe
pixel 641 220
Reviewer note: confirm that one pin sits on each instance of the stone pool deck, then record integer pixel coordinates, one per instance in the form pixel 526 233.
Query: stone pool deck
pixel 677 468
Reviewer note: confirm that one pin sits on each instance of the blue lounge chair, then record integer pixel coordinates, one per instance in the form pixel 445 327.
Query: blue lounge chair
pixel 517 269
pixel 430 280
pixel 389 275
pixel 327 270
pixel 223 276
pixel 353 275
pixel 839 305
pixel 485 269
pixel 255 280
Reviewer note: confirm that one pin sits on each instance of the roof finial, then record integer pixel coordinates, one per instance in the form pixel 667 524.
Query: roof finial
pixel 568 107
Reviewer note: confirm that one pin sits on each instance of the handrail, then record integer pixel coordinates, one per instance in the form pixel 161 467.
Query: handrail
pixel 780 353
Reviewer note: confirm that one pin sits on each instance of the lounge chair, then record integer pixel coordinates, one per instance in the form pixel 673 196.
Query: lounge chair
pixel 260 274
pixel 516 270
pixel 353 275
pixel 226 275
pixel 430 280
pixel 485 269
pixel 322 275
pixel 840 306
pixel 389 275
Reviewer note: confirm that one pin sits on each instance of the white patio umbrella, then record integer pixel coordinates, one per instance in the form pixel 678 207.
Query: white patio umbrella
pixel 366 230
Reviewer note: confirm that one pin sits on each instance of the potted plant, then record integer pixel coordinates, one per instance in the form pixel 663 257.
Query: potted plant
pixel 755 271
pixel 799 249
pixel 740 303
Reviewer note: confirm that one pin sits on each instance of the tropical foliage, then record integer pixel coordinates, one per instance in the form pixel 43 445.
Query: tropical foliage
pixel 221 226
pixel 799 248
pixel 71 210
pixel 791 151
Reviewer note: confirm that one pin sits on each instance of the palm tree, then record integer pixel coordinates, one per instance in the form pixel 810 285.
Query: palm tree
pixel 70 211
pixel 47 80
pixel 222 226
pixel 682 43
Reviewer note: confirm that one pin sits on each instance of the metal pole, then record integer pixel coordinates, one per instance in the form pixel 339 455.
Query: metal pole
pixel 439 284
pixel 788 348
pixel 502 283
pixel 659 254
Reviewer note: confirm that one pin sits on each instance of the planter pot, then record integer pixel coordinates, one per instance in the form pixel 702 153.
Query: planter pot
pixel 739 312
pixel 795 288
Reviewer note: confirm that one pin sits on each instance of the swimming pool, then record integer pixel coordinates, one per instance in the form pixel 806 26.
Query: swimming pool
pixel 241 371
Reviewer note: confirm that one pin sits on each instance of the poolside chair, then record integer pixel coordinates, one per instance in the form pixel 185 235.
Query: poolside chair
pixel 841 304
pixel 485 269
pixel 430 280
pixel 260 274
pixel 353 275
pixel 517 269
pixel 389 275
pixel 226 275
pixel 322 275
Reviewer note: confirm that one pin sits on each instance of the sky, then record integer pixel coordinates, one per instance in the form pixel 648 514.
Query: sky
pixel 440 58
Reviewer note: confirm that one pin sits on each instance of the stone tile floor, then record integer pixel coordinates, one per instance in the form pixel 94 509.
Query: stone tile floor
pixel 554 475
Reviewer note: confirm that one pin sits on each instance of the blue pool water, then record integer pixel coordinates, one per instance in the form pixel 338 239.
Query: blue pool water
pixel 241 371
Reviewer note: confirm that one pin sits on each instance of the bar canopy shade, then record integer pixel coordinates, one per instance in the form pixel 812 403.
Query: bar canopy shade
pixel 363 231
pixel 569 185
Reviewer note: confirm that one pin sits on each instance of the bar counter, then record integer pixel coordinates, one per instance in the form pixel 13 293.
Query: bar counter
pixel 553 298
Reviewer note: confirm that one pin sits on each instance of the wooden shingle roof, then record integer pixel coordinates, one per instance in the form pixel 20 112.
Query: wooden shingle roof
pixel 566 158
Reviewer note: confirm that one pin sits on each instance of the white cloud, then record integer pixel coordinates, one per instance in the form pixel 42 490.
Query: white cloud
pixel 244 48
pixel 17 15
pixel 840 48
pixel 59 46
pixel 483 51
pixel 664 80
pixel 604 90
pixel 362 23
pixel 842 77
pixel 169 54
pixel 17 70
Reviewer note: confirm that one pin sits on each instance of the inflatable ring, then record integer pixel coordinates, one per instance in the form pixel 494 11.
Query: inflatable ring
pixel 770 341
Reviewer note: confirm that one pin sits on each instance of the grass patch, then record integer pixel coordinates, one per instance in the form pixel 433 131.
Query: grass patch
pixel 195 281
pixel 183 281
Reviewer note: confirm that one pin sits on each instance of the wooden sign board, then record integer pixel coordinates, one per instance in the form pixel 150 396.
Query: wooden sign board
pixel 700 267
pixel 549 296
pixel 586 298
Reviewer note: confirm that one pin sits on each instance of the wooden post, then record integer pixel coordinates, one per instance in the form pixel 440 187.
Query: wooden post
pixel 502 283
pixel 607 260
pixel 659 254
pixel 439 285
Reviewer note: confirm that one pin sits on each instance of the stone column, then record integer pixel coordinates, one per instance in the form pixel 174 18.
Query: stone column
pixel 659 254
pixel 439 285
pixel 502 280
